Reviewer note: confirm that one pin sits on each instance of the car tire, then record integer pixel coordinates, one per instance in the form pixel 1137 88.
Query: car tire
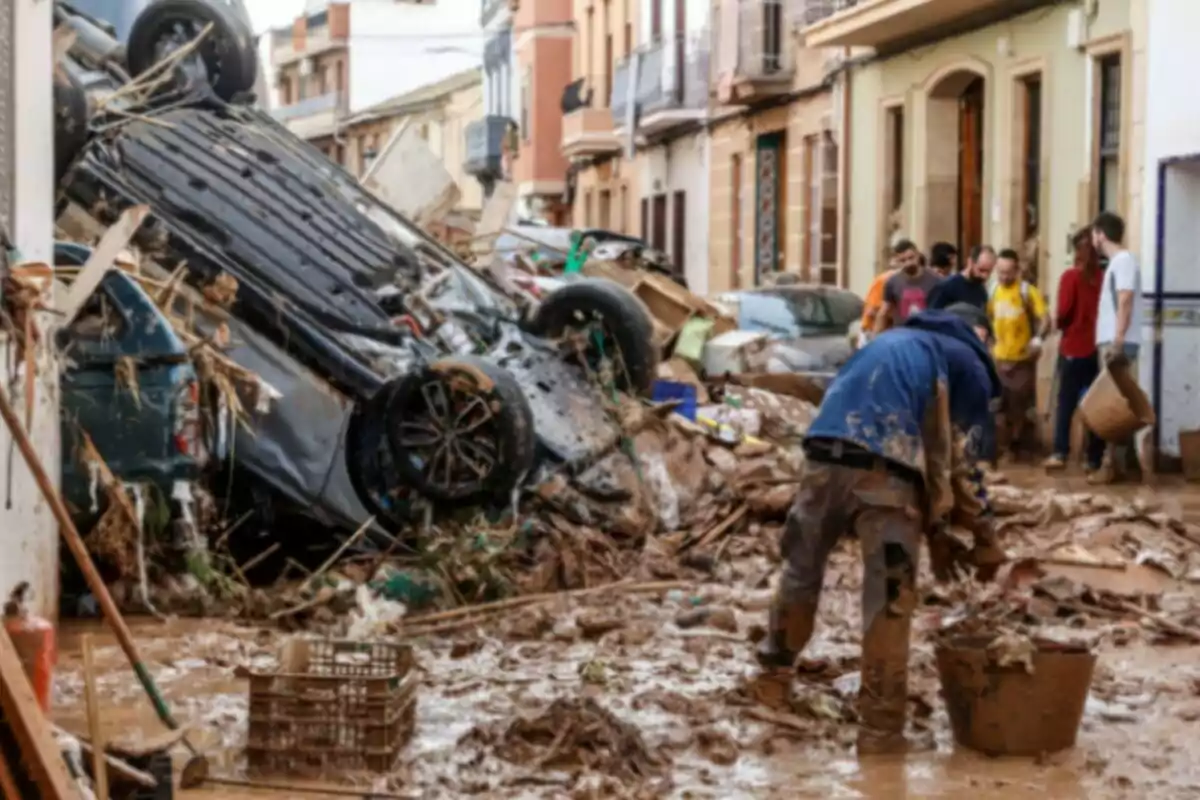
pixel 434 408
pixel 626 321
pixel 368 459
pixel 70 122
pixel 229 54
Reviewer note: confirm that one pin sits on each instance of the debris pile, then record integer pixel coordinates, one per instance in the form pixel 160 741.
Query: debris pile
pixel 579 736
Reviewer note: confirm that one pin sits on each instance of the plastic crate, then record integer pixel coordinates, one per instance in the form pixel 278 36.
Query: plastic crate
pixel 332 707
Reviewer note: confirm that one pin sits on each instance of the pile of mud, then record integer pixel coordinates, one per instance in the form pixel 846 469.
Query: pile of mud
pixel 579 736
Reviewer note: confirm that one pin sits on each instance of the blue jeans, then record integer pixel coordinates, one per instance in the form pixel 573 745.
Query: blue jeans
pixel 1075 376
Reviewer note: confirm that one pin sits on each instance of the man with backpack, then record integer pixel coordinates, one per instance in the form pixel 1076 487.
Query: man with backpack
pixel 1018 313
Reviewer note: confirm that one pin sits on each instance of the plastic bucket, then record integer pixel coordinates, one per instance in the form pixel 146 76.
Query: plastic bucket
pixel 1115 407
pixel 1006 711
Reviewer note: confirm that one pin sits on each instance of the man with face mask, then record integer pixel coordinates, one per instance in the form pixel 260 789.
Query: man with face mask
pixel 891 457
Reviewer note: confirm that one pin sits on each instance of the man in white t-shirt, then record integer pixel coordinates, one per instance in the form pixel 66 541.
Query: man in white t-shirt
pixel 1119 318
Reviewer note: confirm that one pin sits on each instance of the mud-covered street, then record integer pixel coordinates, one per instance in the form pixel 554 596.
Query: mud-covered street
pixel 640 696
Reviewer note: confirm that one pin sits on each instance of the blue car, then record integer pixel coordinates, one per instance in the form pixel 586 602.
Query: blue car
pixel 150 431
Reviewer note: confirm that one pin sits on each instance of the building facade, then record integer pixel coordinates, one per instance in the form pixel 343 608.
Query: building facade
pixel 660 110
pixel 1169 122
pixel 441 113
pixel 601 185
pixel 27 527
pixel 992 122
pixel 776 162
pixel 340 58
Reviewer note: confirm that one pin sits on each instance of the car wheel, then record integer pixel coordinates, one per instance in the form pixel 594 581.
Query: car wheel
pixel 226 59
pixel 461 429
pixel 611 329
pixel 369 462
pixel 70 122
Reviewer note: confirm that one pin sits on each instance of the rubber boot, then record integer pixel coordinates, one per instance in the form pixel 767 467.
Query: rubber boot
pixel 883 696
pixel 791 626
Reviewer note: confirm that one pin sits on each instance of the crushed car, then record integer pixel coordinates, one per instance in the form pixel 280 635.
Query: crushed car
pixel 403 374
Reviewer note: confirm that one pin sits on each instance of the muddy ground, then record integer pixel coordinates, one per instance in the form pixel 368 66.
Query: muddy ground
pixel 613 697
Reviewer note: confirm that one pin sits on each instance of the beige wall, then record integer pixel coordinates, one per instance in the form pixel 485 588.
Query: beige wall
pixel 737 136
pixel 619 177
pixel 463 108
pixel 443 127
pixel 1000 54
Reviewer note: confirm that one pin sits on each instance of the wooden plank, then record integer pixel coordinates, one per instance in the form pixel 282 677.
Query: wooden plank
pixel 92 699
pixel 114 240
pixel 24 717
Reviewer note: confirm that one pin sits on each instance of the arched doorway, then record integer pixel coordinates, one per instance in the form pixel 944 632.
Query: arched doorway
pixel 955 159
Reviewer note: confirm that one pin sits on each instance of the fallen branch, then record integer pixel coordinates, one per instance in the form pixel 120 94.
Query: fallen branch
pixel 459 617
pixel 716 531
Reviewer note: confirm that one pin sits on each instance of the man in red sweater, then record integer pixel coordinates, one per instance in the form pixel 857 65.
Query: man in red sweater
pixel 1078 304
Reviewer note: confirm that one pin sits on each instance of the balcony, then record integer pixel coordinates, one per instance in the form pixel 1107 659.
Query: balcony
pixel 312 116
pixel 756 55
pixel 586 131
pixel 672 84
pixel 895 24
pixel 485 140
pixel 316 41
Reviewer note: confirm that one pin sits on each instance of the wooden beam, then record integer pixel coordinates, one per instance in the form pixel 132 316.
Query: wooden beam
pixel 114 240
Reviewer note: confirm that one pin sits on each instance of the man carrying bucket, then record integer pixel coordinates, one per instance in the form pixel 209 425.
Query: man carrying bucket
pixel 892 456
pixel 1119 321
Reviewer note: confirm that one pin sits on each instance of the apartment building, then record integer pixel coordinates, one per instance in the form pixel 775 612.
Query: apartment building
pixel 340 58
pixel 1007 122
pixel 441 113
pixel 660 99
pixel 601 186
pixel 777 163
pixel 491 140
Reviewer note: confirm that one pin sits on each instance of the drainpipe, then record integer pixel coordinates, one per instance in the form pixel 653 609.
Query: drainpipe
pixel 844 174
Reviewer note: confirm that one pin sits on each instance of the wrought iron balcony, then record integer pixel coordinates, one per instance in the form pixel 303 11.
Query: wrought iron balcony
pixel 672 83
pixel 485 146
pixel 755 49
pixel 309 106
pixel 885 24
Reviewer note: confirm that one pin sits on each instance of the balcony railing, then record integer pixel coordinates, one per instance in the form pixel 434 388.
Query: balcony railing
pixel 485 146
pixel 330 101
pixel 885 24
pixel 672 75
pixel 765 47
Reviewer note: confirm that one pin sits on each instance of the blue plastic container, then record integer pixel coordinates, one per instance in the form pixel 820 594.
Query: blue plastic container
pixel 685 393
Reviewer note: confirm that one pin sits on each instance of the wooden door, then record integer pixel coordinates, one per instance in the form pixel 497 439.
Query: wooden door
pixel 679 231
pixel 735 221
pixel 659 232
pixel 970 167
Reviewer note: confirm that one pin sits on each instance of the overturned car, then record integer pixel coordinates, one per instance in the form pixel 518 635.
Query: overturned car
pixel 401 372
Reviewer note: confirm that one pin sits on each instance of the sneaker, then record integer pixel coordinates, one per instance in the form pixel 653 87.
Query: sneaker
pixel 1054 463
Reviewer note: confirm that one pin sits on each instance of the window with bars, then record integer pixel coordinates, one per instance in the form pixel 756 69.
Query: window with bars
pixel 895 158
pixel 1108 166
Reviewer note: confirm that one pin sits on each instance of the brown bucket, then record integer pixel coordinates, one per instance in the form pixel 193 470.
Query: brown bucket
pixel 1115 407
pixel 1005 711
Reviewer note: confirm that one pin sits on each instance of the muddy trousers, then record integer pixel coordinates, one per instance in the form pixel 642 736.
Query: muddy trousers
pixel 881 507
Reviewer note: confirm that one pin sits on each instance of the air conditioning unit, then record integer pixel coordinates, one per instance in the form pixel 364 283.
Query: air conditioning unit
pixel 306 67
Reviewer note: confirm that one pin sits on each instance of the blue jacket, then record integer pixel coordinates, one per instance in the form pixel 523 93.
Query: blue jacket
pixel 881 398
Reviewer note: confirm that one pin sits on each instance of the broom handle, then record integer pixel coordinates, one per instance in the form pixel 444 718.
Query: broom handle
pixel 74 541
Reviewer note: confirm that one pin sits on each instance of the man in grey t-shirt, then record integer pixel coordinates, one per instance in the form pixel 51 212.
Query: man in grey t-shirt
pixel 1118 322
pixel 907 291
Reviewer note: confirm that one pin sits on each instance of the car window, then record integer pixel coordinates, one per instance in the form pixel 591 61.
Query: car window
pixel 844 308
pixel 790 314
